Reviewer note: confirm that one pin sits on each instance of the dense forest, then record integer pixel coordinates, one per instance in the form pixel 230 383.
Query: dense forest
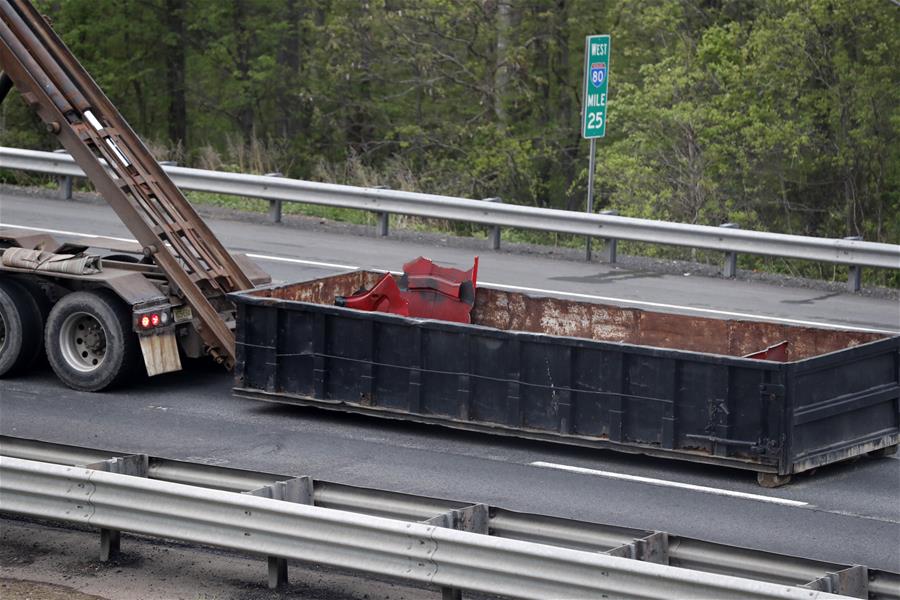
pixel 779 115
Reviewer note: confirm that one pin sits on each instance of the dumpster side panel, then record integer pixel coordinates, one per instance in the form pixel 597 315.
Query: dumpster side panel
pixel 495 396
pixel 295 352
pixel 598 378
pixel 393 351
pixel 545 384
pixel 445 372
pixel 347 358
pixel 568 389
pixel 845 404
pixel 256 346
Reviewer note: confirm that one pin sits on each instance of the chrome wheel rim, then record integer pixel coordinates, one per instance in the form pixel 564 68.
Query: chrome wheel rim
pixel 82 342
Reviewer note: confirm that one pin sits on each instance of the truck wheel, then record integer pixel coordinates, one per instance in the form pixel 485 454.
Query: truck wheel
pixel 20 328
pixel 89 341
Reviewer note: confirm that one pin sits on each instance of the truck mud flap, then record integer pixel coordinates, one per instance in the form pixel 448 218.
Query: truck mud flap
pixel 160 353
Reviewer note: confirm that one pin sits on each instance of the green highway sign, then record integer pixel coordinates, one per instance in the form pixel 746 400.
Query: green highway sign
pixel 596 76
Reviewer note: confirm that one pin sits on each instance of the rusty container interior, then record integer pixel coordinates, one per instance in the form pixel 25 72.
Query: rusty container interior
pixel 513 311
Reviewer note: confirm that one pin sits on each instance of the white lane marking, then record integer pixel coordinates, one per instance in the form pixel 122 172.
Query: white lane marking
pixel 667 483
pixel 75 233
pixel 311 263
pixel 710 311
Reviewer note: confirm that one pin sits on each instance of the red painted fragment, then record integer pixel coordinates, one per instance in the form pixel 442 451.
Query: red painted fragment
pixel 425 290
pixel 384 296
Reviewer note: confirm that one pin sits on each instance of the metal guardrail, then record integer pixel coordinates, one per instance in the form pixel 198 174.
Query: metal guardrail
pixel 418 552
pixel 276 190
pixel 644 545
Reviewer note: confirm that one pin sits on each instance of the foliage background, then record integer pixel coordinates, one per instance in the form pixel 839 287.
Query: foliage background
pixel 777 115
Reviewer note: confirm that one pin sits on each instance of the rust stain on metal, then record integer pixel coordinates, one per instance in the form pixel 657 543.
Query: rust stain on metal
pixel 555 316
pixel 685 333
pixel 321 291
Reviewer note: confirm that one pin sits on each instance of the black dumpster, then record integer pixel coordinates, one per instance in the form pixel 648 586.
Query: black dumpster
pixel 580 373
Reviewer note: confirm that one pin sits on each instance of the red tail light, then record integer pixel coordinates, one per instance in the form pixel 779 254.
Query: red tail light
pixel 149 321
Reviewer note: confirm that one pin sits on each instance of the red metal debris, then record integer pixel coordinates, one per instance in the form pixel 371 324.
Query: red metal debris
pixel 425 290
pixel 384 296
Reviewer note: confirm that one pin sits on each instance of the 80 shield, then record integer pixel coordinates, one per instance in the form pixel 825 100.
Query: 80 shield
pixel 598 74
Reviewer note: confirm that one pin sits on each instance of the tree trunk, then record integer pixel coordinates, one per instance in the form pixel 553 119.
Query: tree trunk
pixel 289 58
pixel 501 59
pixel 360 130
pixel 175 71
pixel 243 45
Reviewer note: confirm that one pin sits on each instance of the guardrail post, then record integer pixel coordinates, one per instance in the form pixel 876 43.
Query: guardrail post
pixel 382 228
pixel 609 244
pixel 65 187
pixel 494 233
pixel 383 224
pixel 653 548
pixel 110 544
pixel 474 519
pixel 729 271
pixel 852 581
pixel 298 490
pixel 64 181
pixel 854 272
pixel 275 205
pixel 136 465
pixel 448 593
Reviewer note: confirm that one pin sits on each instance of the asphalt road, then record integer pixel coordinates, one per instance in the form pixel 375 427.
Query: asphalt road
pixel 309 249
pixel 848 513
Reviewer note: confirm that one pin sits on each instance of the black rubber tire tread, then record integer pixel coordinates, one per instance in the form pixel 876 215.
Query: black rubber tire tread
pixel 44 305
pixel 24 324
pixel 122 351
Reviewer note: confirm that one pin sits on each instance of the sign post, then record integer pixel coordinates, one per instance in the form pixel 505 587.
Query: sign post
pixel 593 107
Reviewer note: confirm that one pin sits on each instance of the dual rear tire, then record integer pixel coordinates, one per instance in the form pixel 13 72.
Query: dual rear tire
pixel 21 327
pixel 87 336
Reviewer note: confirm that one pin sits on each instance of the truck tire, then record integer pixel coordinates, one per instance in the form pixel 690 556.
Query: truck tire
pixel 44 305
pixel 89 341
pixel 21 327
